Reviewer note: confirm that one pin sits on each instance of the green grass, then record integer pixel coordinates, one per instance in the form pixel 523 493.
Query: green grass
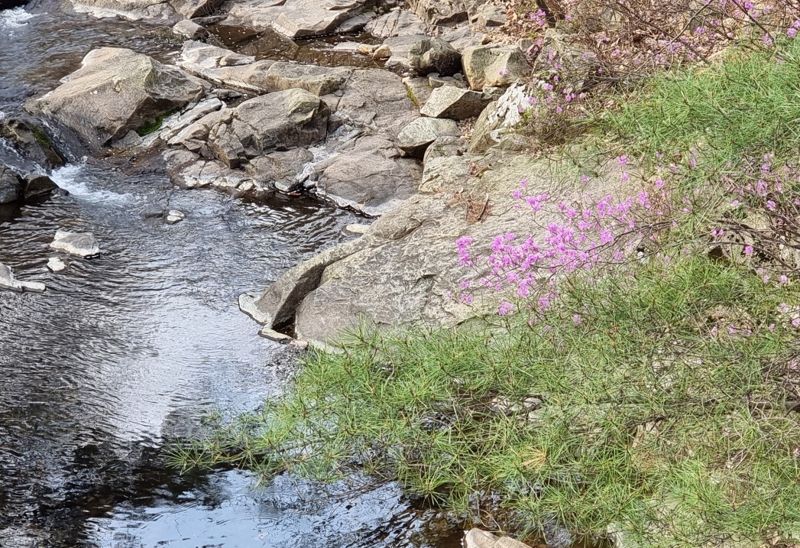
pixel 746 105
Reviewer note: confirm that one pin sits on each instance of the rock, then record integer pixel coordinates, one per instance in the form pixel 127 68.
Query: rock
pixel 482 138
pixel 11 185
pixel 266 123
pixel 160 10
pixel 461 37
pixel 454 103
pixel 422 55
pixel 419 90
pixel 189 171
pixel 355 24
pixel 359 229
pixel 477 538
pixel 30 140
pixel 174 216
pixel 436 81
pixel 275 336
pixel 38 186
pixel 247 304
pixel 312 78
pixel 173 125
pixel 376 99
pixel 405 269
pixel 227 68
pixel 416 136
pixel 82 244
pixel 281 168
pixel 488 15
pixel 116 91
pixel 444 146
pixel 439 12
pixel 189 29
pixel 368 175
pixel 9 281
pixel 55 264
pixel 494 65
pixel 398 22
pixel 294 18
pixel 576 67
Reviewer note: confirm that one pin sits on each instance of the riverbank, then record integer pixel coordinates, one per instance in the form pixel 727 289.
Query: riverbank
pixel 638 381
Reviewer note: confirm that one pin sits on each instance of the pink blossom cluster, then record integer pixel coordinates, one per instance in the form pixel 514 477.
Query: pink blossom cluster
pixel 571 238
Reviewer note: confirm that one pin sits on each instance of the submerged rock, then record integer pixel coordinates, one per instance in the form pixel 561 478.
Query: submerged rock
pixel 82 244
pixel 478 538
pixel 115 91
pixel 174 216
pixel 29 138
pixel 12 185
pixel 55 264
pixel 9 281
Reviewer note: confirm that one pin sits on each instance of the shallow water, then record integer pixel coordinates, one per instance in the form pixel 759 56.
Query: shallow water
pixel 131 348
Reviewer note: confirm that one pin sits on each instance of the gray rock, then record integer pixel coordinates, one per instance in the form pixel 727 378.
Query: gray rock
pixel 405 269
pixel 454 103
pixel 275 336
pixel 463 36
pixel 263 124
pixel 444 146
pixel 481 138
pixel 116 91
pixel 359 229
pixel 422 55
pixel 419 90
pixel 416 136
pixel 494 66
pixel 294 18
pixel 376 99
pixel 9 281
pixel 439 12
pixel 398 22
pixel 435 80
pixel 38 186
pixel 173 125
pixel 488 15
pixel 159 10
pixel 29 138
pixel 55 264
pixel 12 186
pixel 312 78
pixel 174 216
pixel 82 244
pixel 195 8
pixel 280 168
pixel 368 175
pixel 189 29
pixel 355 24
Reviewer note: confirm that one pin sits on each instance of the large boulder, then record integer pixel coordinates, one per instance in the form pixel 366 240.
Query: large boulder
pixel 160 10
pixel 312 78
pixel 405 269
pixel 294 18
pixel 439 12
pixel 494 66
pixel 115 91
pixel 397 22
pixel 454 103
pixel 266 123
pixel 422 55
pixel 415 138
pixel 368 175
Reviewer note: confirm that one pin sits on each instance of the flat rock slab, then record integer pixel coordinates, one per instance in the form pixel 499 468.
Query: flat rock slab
pixel 157 10
pixel 115 91
pixel 82 244
pixel 9 281
pixel 398 22
pixel 294 18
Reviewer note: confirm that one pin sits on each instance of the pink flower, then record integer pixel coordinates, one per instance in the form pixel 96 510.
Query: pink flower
pixel 771 205
pixel 577 319
pixel 748 250
pixel 791 33
pixel 505 308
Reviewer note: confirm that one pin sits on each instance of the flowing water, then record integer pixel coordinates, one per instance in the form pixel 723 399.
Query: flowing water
pixel 131 348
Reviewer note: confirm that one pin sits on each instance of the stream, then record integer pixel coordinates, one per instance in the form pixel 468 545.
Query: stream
pixel 134 347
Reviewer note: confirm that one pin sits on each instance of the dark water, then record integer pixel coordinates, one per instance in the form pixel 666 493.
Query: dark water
pixel 129 349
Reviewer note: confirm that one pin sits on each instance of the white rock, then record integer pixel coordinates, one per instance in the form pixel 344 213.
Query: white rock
pixel 56 265
pixel 357 228
pixel 273 335
pixel 174 216
pixel 8 281
pixel 188 29
pixel 82 244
